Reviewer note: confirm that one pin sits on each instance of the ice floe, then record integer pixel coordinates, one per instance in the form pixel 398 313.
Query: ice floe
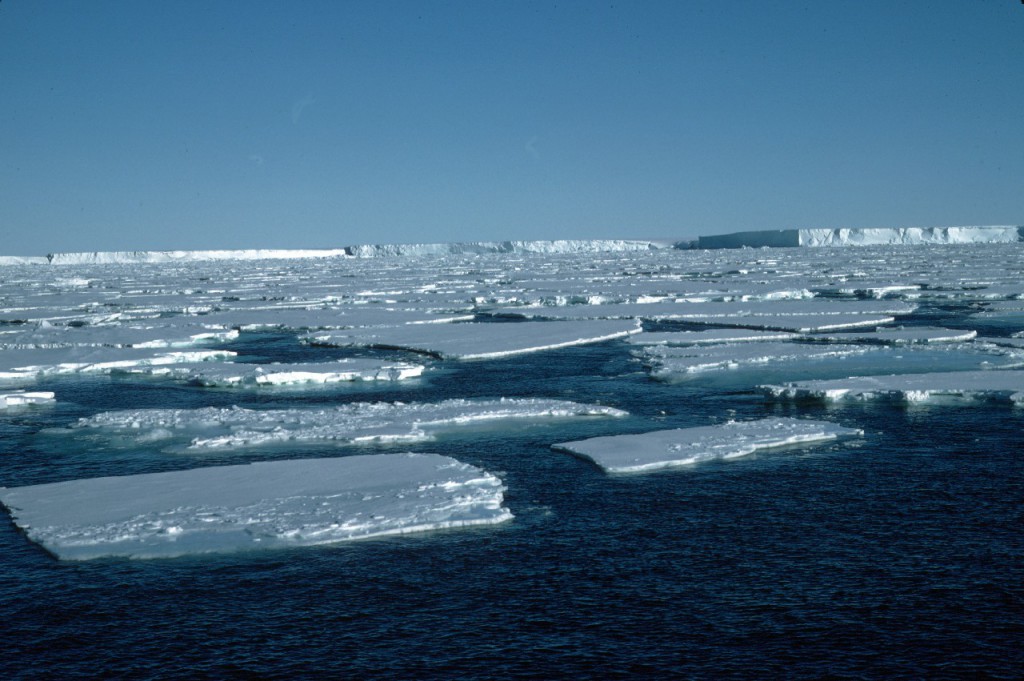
pixel 481 340
pixel 684 446
pixel 235 427
pixel 985 386
pixel 29 364
pixel 669 362
pixel 263 505
pixel 20 398
pixel 900 336
pixel 231 375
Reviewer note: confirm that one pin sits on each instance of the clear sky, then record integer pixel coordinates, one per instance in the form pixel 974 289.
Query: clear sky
pixel 146 125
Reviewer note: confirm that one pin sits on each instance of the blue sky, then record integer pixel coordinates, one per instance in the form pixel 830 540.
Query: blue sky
pixel 195 125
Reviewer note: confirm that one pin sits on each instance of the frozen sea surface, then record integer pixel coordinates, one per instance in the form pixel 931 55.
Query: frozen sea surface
pixel 255 506
pixel 894 554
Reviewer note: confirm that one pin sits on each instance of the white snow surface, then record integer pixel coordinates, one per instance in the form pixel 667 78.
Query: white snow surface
pixel 481 340
pixel 236 427
pixel 684 446
pixel 264 505
pixel 985 386
pixel 669 362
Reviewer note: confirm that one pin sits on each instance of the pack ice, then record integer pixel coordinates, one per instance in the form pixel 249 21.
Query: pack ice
pixel 235 427
pixel 262 505
pixel 684 446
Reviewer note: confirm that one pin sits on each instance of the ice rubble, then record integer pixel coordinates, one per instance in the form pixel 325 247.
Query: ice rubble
pixel 214 427
pixel 666 448
pixel 262 505
pixel 481 340
pixel 230 374
pixel 993 385
pixel 19 398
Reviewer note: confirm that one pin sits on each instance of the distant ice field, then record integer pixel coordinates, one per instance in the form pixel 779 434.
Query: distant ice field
pixel 866 522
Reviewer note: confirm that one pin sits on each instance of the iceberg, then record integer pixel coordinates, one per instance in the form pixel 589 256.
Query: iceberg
pixel 481 340
pixel 236 427
pixel 958 386
pixel 263 505
pixel 685 446
pixel 864 236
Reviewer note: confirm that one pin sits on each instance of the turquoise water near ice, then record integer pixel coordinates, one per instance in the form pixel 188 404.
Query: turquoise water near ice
pixel 896 555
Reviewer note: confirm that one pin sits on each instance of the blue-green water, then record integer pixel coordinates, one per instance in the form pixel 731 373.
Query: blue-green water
pixel 896 555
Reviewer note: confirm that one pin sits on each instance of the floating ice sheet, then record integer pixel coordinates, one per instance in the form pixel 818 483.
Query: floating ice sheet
pixel 262 505
pixel 232 375
pixel 996 386
pixel 19 398
pixel 481 340
pixel 709 337
pixel 214 427
pixel 684 446
pixel 27 364
pixel 668 362
pixel 901 336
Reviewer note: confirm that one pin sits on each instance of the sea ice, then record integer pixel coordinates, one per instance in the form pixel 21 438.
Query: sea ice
pixel 709 337
pixel 229 374
pixel 263 505
pixel 665 448
pixel 20 398
pixel 481 340
pixel 901 336
pixel 214 427
pixel 26 365
pixel 994 385
pixel 669 362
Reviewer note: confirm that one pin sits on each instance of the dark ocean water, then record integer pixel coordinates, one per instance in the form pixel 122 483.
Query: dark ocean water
pixel 897 555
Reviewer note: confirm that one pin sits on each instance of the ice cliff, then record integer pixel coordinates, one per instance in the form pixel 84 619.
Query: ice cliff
pixel 865 236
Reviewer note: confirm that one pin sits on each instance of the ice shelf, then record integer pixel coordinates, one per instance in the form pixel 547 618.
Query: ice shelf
pixel 684 446
pixel 263 505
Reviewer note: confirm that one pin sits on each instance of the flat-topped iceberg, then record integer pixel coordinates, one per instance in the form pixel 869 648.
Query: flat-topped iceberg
pixel 684 446
pixel 865 236
pixel 234 427
pixel 986 386
pixel 481 340
pixel 264 505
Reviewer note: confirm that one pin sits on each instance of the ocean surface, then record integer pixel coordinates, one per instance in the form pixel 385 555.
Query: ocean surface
pixel 896 555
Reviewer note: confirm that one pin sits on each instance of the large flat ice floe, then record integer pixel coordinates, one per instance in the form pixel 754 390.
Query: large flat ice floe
pixel 21 398
pixel 215 427
pixel 685 446
pixel 986 386
pixel 262 505
pixel 481 340
pixel 239 375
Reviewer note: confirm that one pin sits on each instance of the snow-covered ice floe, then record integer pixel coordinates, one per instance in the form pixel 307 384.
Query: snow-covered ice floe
pixel 986 386
pixel 481 340
pixel 666 363
pixel 709 337
pixel 683 446
pixel 263 505
pixel 236 375
pixel 20 366
pixel 214 427
pixel 901 336
pixel 20 398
